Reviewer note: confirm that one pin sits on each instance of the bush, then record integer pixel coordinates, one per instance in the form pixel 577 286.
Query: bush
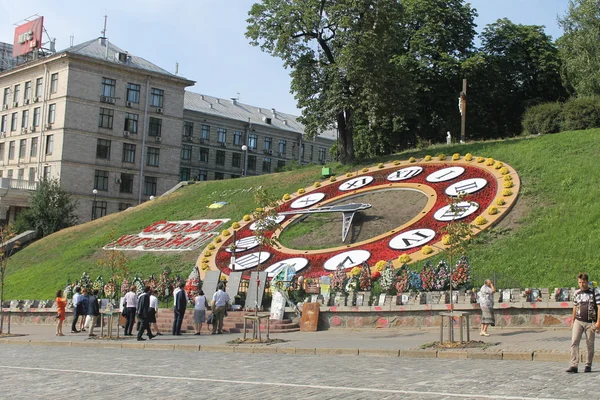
pixel 543 118
pixel 581 113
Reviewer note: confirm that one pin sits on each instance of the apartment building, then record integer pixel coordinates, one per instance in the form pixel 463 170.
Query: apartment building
pixel 116 130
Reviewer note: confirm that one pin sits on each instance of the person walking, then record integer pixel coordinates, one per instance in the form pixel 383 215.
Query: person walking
pixel 200 304
pixel 83 305
pixel 179 308
pixel 93 311
pixel 143 310
pixel 486 303
pixel 76 309
pixel 584 321
pixel 61 305
pixel 153 312
pixel 219 306
pixel 130 305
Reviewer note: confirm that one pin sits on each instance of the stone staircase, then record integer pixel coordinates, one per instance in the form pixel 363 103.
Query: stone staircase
pixel 233 322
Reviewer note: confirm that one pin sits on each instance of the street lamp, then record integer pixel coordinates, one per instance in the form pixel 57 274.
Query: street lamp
pixel 151 198
pixel 245 150
pixel 95 192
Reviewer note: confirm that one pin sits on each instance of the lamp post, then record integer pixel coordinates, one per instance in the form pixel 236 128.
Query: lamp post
pixel 95 192
pixel 151 198
pixel 245 150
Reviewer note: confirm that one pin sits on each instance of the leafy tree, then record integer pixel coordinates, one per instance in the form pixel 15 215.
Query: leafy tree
pixel 51 208
pixel 580 47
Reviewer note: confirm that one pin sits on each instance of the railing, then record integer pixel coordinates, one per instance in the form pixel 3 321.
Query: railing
pixel 22 184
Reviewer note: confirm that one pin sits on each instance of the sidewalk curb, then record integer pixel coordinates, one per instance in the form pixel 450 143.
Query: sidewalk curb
pixel 540 356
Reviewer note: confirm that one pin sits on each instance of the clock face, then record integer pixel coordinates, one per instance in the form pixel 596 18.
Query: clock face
pixel 434 183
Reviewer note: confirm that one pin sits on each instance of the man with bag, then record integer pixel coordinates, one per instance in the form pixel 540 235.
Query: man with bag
pixel 584 321
pixel 219 307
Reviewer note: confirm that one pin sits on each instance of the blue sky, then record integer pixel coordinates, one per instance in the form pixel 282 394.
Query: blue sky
pixel 206 38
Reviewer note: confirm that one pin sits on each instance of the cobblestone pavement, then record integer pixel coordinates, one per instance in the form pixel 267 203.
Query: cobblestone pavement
pixel 42 372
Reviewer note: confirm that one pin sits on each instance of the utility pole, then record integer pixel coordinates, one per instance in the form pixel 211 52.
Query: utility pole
pixel 462 104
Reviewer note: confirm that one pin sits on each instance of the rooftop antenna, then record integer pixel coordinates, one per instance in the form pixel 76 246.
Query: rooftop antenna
pixel 71 40
pixel 176 67
pixel 238 95
pixel 103 31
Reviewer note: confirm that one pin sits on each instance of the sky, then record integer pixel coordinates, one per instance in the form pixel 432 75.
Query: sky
pixel 206 38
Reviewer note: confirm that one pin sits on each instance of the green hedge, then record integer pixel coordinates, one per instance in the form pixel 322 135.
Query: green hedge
pixel 581 113
pixel 543 118
pixel 576 114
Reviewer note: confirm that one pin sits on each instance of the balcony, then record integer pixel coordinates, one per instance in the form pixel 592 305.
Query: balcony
pixel 14 194
pixel 18 184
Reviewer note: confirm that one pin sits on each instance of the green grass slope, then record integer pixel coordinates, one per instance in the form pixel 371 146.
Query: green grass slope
pixel 550 236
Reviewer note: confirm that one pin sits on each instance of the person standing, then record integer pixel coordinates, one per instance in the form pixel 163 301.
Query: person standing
pixel 61 305
pixel 143 311
pixel 179 308
pixel 584 321
pixel 76 309
pixel 486 303
pixel 93 311
pixel 219 306
pixel 200 304
pixel 153 312
pixel 130 304
pixel 83 306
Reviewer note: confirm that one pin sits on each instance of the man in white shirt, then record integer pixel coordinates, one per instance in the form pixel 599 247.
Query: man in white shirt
pixel 219 306
pixel 76 309
pixel 153 312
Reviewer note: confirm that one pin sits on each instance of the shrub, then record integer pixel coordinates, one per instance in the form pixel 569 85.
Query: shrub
pixel 582 113
pixel 543 118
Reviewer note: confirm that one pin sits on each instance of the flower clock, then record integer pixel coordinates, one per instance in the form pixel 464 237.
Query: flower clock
pixel 436 191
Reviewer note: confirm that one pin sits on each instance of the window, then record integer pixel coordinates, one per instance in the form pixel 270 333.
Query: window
pixel 322 154
pixel 186 152
pixel 268 143
pixel 310 156
pixel 236 160
pixel 266 164
pixel 221 135
pixel 203 154
pixel 108 87
pixel 27 93
pixel 153 156
pixel 6 96
pixel 11 150
pixel 22 148
pixel 31 174
pixel 220 157
pixel 101 180
pixel 54 83
pixel 49 144
pixel 133 93
pixel 21 174
pixel 282 147
pixel 129 152
pixel 280 164
pixel 13 122
pixel 302 151
pixel 36 116
pixel 106 118
pixel 25 119
pixel 202 175
pixel 156 97
pixel 38 87
pixel 155 126
pixel 9 174
pixel 51 113
pixel 124 206
pixel 184 174
pixel 99 209
pixel 103 149
pixel 150 185
pixel 252 141
pixel 188 129
pixel 237 138
pixel 219 176
pixel 126 185
pixel 3 123
pixel 34 147
pixel 16 93
pixel 251 163
pixel 47 173
pixel 131 122
pixel 1 151
pixel 205 132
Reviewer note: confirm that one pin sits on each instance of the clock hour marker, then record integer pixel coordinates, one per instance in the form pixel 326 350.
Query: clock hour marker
pixel 278 219
pixel 404 173
pixel 445 174
pixel 250 260
pixel 414 238
pixel 298 263
pixel 467 186
pixel 356 183
pixel 347 259
pixel 244 244
pixel 308 200
pixel 461 210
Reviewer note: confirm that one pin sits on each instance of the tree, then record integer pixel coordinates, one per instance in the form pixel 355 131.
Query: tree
pixel 339 53
pixel 51 208
pixel 580 47
pixel 6 250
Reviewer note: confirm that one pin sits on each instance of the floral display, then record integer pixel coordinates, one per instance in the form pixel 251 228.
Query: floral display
pixel 85 281
pixel 508 184
pixel 441 157
pixel 507 192
pixel 110 289
pixel 301 191
pixel 404 259
pixel 351 284
pixel 338 280
pixel 402 279
pixel 68 291
pixel 164 286
pixel 489 161
pixel 492 210
pixel 98 285
pixel 468 157
pixel 427 158
pixel 507 178
pixel 375 275
pixel 286 197
pixel 380 165
pixel 139 285
pixel 387 278
pixel 504 170
pixel 317 184
pixel 192 283
pixel 461 276
pixel 480 220
pixel 355 271
pixel 427 249
pixel 442 277
pixel 500 201
pixel 480 159
pixel 125 287
pixel 414 281
pixel 427 276
pixel 455 156
pixel 364 279
pixel 380 265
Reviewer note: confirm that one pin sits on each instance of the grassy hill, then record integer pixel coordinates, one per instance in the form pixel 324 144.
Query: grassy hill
pixel 550 236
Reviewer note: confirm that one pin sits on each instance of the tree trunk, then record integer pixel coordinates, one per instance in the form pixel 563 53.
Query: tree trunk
pixel 346 140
